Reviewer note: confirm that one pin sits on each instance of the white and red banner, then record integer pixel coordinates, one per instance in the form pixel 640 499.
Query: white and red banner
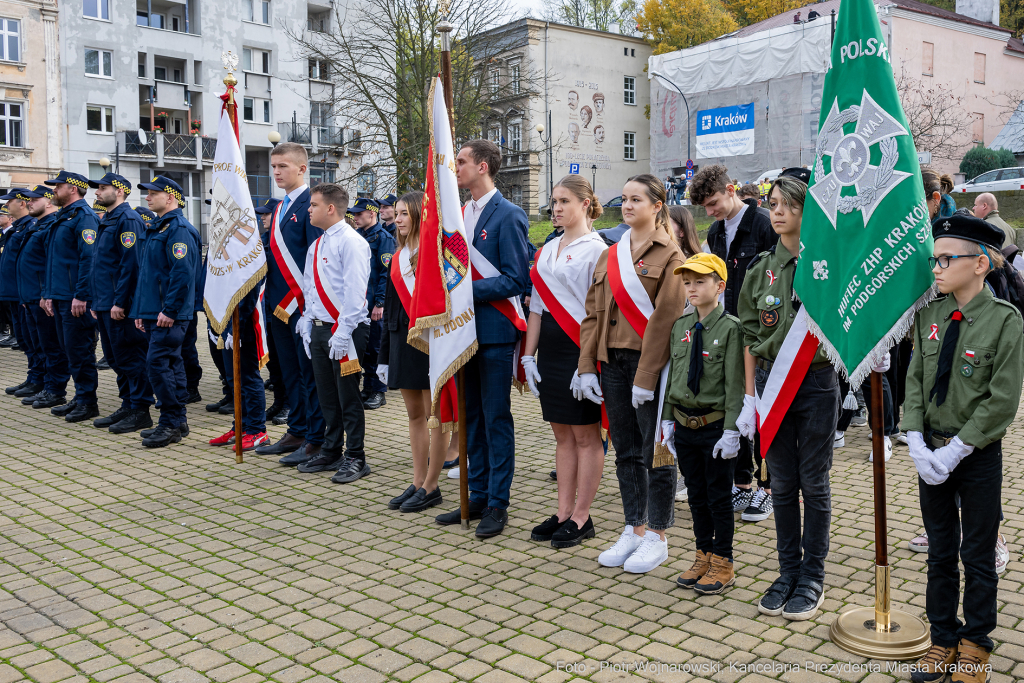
pixel 785 378
pixel 259 323
pixel 289 269
pixel 442 313
pixel 235 260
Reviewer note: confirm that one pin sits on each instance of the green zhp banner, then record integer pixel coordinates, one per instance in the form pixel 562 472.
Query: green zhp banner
pixel 866 234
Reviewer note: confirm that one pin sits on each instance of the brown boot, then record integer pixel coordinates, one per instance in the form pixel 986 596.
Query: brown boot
pixel 971 664
pixel 934 666
pixel 718 578
pixel 701 564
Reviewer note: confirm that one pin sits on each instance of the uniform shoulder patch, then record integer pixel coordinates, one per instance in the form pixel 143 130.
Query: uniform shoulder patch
pixel 385 259
pixel 179 249
pixel 89 235
pixel 128 239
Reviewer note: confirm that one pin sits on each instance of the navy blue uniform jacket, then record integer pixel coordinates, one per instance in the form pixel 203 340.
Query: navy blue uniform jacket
pixel 167 270
pixel 69 257
pixel 32 263
pixel 115 265
pixel 9 258
pixel 382 249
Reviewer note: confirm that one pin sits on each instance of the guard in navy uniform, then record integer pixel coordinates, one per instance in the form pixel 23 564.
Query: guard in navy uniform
pixel 278 410
pixel 115 270
pixel 382 248
pixel 146 215
pixel 6 333
pixel 31 277
pixel 66 295
pixel 17 204
pixel 164 305
pixel 189 352
pixel 387 213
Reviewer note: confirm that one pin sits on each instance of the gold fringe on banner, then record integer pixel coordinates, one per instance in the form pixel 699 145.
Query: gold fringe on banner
pixel 350 367
pixel 220 342
pixel 220 325
pixel 662 456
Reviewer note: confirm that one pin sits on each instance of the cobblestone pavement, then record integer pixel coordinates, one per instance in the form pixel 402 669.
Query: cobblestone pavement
pixel 119 563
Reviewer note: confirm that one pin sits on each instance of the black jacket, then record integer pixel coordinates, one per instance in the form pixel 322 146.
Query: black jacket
pixel 753 235
pixel 395 319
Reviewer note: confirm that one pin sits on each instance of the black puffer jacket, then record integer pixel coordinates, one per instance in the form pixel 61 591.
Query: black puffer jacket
pixel 753 235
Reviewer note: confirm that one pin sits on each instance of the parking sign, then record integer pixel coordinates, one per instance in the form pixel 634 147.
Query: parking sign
pixel 574 169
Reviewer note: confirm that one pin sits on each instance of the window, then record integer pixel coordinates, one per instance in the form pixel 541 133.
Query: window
pixel 11 122
pixel 320 175
pixel 99 119
pixel 978 129
pixel 318 22
pixel 99 63
pixel 319 69
pixel 515 136
pixel 160 73
pixel 97 9
pixel 255 60
pixel 152 20
pixel 625 52
pixel 10 34
pixel 142 65
pixel 494 135
pixel 927 58
pixel 629 90
pixel 256 10
pixel 629 146
pixel 177 76
pixel 979 67
pixel 197 76
pixel 174 24
pixel 632 52
pixel 495 81
pixel 516 87
pixel 255 110
pixel 247 108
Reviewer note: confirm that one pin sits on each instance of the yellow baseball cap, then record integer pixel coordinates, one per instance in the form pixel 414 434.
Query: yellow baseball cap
pixel 704 263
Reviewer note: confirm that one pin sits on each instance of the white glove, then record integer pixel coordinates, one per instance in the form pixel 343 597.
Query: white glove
pixel 746 423
pixel 949 456
pixel 305 345
pixel 641 396
pixel 574 385
pixel 339 345
pixel 924 459
pixel 228 341
pixel 668 435
pixel 382 374
pixel 304 328
pixel 883 366
pixel 532 376
pixel 728 446
pixel 590 388
pixel 213 337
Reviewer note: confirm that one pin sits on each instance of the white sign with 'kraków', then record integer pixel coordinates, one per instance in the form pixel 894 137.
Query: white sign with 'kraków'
pixel 725 132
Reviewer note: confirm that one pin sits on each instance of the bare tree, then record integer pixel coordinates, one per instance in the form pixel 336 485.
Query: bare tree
pixel 382 55
pixel 935 114
pixel 596 14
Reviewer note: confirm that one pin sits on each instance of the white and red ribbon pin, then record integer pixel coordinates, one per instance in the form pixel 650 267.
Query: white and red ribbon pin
pixel 934 334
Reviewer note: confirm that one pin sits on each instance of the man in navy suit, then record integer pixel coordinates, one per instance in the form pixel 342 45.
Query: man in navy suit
pixel 500 232
pixel 290 236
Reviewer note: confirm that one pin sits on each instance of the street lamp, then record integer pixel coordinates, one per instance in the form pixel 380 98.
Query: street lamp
pixel 104 163
pixel 274 137
pixel 551 171
pixel 658 74
pixel 593 181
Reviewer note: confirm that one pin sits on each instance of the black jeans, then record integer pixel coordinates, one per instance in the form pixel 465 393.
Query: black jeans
pixel 648 493
pixel 749 466
pixel 801 458
pixel 708 487
pixel 978 480
pixel 889 413
pixel 339 396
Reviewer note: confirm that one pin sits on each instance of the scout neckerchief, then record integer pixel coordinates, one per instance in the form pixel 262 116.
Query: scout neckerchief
pixel 946 354
pixel 330 301
pixel 290 270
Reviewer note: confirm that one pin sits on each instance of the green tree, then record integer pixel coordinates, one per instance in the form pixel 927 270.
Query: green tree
pixel 980 159
pixel 670 25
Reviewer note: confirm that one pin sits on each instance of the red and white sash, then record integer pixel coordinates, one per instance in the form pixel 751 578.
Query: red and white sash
pixel 634 302
pixel 289 269
pixel 330 301
pixel 260 327
pixel 404 284
pixel 510 308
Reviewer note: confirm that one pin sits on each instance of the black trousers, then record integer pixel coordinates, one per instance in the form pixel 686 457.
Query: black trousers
pixel 340 403
pixel 748 466
pixel 254 415
pixel 978 480
pixel 190 356
pixel 368 358
pixel 708 487
pixel 78 340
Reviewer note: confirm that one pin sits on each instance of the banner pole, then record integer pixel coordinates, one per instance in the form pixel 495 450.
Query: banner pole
pixel 236 362
pixel 882 590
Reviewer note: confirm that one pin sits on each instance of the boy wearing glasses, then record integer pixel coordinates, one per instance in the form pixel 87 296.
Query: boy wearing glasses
pixel 963 389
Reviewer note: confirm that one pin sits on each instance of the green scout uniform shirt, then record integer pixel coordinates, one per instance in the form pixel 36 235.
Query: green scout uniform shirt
pixel 765 306
pixel 723 384
pixel 985 379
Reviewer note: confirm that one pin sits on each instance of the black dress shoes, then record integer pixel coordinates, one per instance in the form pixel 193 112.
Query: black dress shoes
pixel 227 409
pixel 286 444
pixel 146 433
pixel 214 407
pixel 82 412
pixel 162 436
pixel 193 396
pixel 28 390
pixel 116 416
pixel 134 421
pixel 282 417
pixel 276 407
pixel 422 500
pixel 303 453
pixel 455 516
pixel 48 400
pixel 397 501
pixel 61 411
pixel 16 387
pixel 29 400
pixel 321 463
pixel 102 364
pixel 569 535
pixel 375 400
pixel 492 523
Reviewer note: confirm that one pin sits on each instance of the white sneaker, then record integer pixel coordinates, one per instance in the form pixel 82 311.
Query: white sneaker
pixel 840 440
pixel 623 548
pixel 888 450
pixel 681 490
pixel 453 473
pixel 652 552
pixel 1002 554
pixel 919 544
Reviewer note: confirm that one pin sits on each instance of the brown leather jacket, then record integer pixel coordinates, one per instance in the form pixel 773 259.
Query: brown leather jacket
pixel 606 328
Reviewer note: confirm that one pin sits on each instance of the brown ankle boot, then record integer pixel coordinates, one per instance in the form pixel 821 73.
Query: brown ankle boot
pixel 971 664
pixel 934 666
pixel 718 578
pixel 701 564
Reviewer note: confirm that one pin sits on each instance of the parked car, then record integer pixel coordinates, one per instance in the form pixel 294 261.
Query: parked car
pixel 769 175
pixel 613 203
pixel 994 181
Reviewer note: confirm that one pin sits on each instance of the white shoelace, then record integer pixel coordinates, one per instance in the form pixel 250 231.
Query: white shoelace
pixel 623 542
pixel 647 547
pixel 758 498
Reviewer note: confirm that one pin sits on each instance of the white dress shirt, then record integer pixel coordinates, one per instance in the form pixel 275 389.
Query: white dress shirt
pixel 293 195
pixel 344 262
pixel 574 269
pixel 475 207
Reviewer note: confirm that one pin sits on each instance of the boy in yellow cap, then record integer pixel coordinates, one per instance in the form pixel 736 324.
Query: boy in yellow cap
pixel 703 398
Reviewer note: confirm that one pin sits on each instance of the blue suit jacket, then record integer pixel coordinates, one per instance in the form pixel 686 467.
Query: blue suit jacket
pixel 502 236
pixel 298 234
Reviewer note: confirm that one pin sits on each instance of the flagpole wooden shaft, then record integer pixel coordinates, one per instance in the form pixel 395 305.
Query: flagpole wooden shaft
pixel 882 591
pixel 236 363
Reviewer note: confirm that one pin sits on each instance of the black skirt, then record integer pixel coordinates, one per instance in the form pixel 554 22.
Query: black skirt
pixel 557 359
pixel 408 367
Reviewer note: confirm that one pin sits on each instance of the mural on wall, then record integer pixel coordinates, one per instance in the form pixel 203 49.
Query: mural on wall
pixel 586 129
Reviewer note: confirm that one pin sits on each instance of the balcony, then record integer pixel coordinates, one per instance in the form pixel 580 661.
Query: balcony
pixel 314 136
pixel 176 148
pixel 514 160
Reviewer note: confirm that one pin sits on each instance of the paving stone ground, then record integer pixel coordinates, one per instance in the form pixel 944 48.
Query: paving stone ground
pixel 123 564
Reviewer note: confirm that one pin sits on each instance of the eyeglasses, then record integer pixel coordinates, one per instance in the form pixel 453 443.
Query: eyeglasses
pixel 944 261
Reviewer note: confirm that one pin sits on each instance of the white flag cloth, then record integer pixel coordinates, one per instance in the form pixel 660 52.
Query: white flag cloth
pixel 235 260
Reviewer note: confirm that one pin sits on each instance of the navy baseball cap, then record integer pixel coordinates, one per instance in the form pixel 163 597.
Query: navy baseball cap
pixel 389 200
pixel 118 181
pixel 165 184
pixel 267 206
pixel 363 204
pixel 798 172
pixel 38 191
pixel 76 179
pixel 17 193
pixel 146 214
pixel 4 211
